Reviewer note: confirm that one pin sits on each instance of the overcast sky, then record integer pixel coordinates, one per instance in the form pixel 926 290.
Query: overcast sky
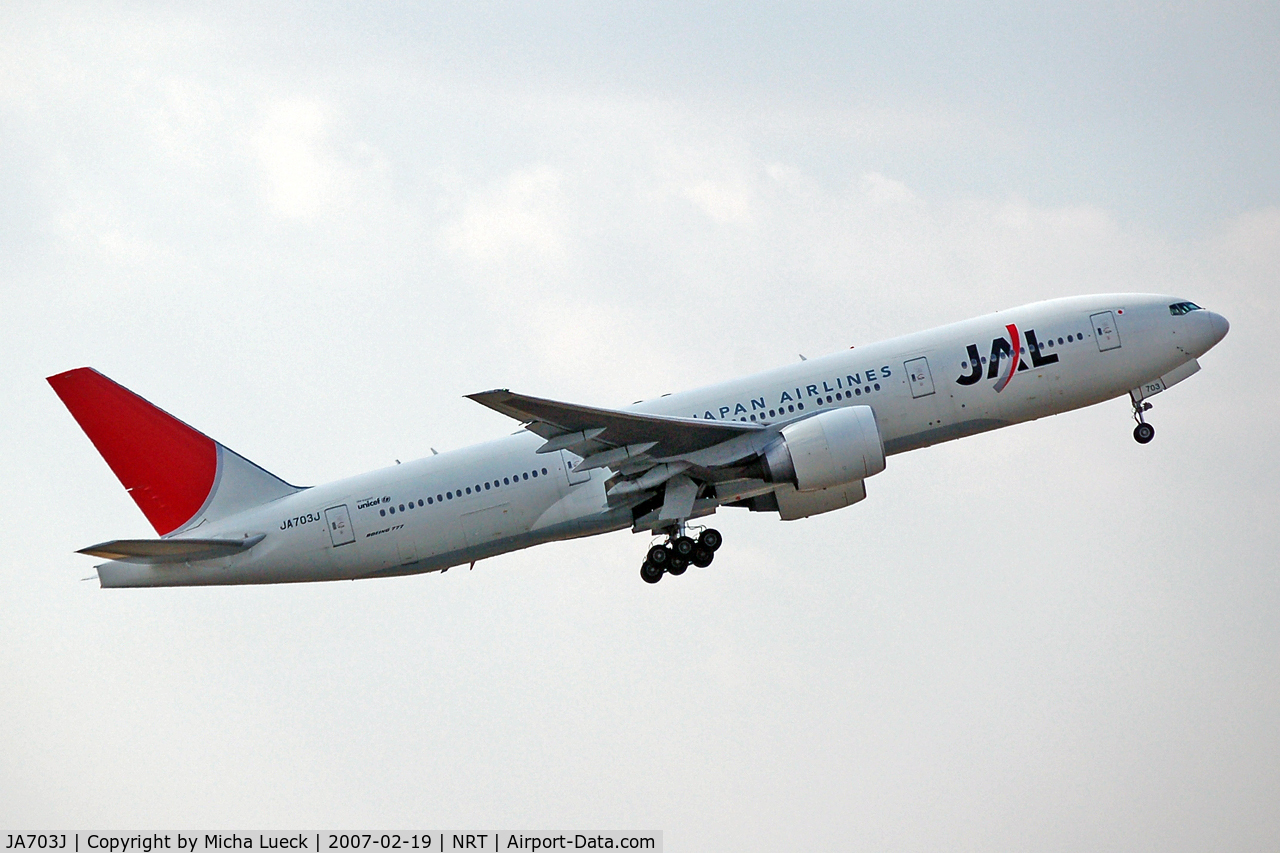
pixel 309 229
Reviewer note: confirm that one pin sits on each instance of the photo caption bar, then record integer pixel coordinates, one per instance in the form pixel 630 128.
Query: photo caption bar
pixel 327 841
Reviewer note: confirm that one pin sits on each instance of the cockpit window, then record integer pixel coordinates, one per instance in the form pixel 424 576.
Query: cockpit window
pixel 1177 309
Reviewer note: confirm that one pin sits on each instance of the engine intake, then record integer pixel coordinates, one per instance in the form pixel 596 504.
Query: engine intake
pixel 833 448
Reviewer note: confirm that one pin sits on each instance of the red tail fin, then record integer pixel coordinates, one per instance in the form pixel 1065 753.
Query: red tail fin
pixel 171 471
pixel 166 466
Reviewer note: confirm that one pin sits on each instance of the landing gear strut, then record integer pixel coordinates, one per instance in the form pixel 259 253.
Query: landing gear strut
pixel 674 557
pixel 1144 431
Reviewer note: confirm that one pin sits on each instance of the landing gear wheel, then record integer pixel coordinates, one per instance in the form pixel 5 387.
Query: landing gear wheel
pixel 711 538
pixel 1144 431
pixel 702 556
pixel 683 546
pixel 650 573
pixel 677 566
pixel 660 555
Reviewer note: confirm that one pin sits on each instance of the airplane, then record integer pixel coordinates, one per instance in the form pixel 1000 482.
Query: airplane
pixel 794 441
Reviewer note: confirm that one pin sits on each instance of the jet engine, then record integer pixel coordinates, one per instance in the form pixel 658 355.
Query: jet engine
pixel 834 448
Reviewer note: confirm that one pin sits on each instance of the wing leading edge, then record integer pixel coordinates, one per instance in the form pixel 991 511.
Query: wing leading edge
pixel 568 426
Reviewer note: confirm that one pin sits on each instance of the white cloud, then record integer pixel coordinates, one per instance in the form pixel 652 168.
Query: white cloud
pixel 303 178
pixel 884 190
pixel 515 221
pixel 725 203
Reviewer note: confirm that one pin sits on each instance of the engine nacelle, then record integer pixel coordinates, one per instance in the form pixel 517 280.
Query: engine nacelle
pixel 833 448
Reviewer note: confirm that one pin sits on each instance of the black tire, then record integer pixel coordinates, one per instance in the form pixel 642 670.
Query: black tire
pixel 702 556
pixel 1143 433
pixel 711 538
pixel 650 573
pixel 677 566
pixel 660 555
pixel 683 546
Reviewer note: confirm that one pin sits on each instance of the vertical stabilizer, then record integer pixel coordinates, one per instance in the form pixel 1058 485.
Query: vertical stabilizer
pixel 178 476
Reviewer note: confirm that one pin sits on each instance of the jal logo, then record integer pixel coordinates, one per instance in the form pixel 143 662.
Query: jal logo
pixel 1005 358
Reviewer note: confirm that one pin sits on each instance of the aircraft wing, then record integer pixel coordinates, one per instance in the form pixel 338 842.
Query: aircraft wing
pixel 568 426
pixel 653 457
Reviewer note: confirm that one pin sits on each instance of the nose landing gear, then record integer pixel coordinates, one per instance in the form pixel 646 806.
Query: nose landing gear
pixel 674 557
pixel 1143 432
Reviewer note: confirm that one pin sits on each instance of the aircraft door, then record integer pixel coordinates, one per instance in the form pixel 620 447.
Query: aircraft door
pixel 919 376
pixel 338 520
pixel 406 547
pixel 483 526
pixel 1105 332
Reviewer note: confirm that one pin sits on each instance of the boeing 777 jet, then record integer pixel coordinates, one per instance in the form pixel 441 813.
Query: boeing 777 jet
pixel 794 441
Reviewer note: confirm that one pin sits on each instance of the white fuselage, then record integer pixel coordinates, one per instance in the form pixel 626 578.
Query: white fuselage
pixel 457 507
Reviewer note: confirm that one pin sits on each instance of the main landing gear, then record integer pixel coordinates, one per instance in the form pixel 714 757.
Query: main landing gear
pixel 1144 431
pixel 675 557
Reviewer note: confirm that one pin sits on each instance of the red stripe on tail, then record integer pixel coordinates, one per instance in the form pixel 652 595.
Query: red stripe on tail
pixel 167 467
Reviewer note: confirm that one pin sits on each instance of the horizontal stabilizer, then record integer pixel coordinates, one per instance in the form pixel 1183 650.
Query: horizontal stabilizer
pixel 155 551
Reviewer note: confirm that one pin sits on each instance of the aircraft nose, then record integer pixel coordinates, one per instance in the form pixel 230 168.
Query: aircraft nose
pixel 1219 325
